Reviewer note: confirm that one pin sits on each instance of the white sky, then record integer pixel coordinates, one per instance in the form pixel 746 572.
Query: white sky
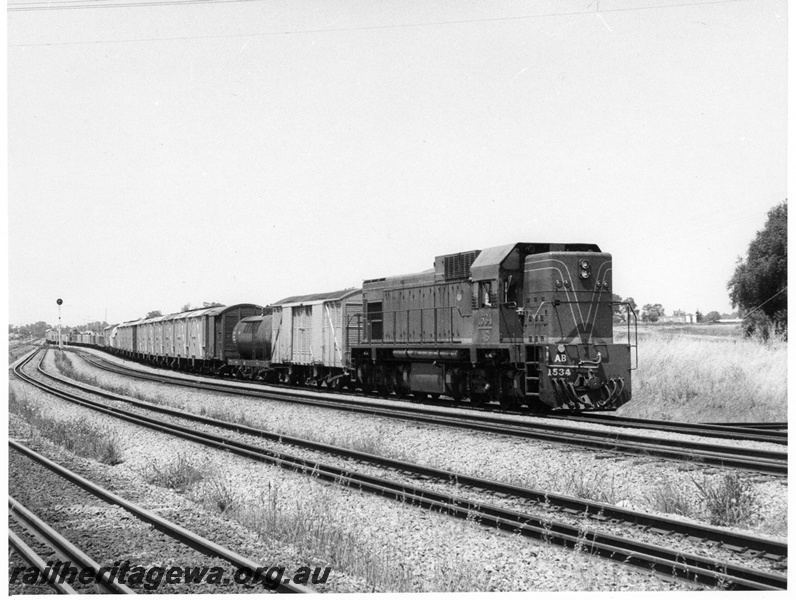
pixel 248 151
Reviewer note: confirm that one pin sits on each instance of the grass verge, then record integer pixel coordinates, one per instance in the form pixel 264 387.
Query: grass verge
pixel 74 435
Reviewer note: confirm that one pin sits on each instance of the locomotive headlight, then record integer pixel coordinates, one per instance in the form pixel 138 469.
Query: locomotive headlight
pixel 585 269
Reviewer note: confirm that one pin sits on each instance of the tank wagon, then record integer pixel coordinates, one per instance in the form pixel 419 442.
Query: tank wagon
pixel 301 340
pixel 521 324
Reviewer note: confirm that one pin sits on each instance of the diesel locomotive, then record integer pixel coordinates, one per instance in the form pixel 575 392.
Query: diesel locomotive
pixel 520 325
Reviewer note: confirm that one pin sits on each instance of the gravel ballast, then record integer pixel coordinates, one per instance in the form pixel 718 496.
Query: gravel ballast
pixel 545 513
pixel 648 484
pixel 391 546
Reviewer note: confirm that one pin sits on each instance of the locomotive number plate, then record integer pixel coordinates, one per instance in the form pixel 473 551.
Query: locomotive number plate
pixel 559 372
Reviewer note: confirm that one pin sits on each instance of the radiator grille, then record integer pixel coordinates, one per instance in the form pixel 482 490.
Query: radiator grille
pixel 457 266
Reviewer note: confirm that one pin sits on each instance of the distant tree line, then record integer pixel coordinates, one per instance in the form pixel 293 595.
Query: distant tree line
pixel 185 307
pixel 35 330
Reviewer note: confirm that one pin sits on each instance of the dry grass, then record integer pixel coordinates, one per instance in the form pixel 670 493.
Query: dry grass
pixel 75 435
pixel 317 526
pixel 685 376
pixel 729 501
pixel 179 474
pixel 64 365
pixel 670 498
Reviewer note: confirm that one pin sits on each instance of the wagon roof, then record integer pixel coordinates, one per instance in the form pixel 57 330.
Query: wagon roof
pixel 314 298
pixel 224 309
pixel 196 312
pixel 130 323
pixel 154 319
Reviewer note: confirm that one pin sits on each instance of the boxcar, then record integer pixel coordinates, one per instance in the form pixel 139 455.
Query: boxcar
pixel 310 336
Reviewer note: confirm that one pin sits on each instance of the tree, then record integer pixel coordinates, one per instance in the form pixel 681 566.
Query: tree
pixel 186 307
pixel 617 307
pixel 712 316
pixel 95 326
pixel 699 316
pixel 760 282
pixel 652 312
pixel 153 313
pixel 211 304
pixel 35 330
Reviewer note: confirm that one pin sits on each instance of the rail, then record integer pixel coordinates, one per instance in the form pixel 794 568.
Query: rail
pixel 183 535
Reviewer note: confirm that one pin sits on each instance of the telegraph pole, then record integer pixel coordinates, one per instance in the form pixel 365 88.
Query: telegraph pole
pixel 59 302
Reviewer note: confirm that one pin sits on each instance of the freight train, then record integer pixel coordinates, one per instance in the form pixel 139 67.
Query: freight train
pixel 520 325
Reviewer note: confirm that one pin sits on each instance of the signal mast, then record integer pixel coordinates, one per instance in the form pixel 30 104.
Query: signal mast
pixel 59 302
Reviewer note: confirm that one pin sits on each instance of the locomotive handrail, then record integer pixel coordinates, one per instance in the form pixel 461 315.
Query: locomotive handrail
pixel 635 323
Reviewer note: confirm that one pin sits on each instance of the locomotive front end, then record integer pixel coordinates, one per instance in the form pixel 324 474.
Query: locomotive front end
pixel 568 317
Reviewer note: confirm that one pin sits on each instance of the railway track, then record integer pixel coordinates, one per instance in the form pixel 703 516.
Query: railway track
pixel 772 462
pixel 773 433
pixel 182 535
pixel 34 560
pixel 781 426
pixel 659 559
pixel 41 530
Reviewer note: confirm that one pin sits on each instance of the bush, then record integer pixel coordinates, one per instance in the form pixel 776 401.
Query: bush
pixel 730 501
pixel 178 475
